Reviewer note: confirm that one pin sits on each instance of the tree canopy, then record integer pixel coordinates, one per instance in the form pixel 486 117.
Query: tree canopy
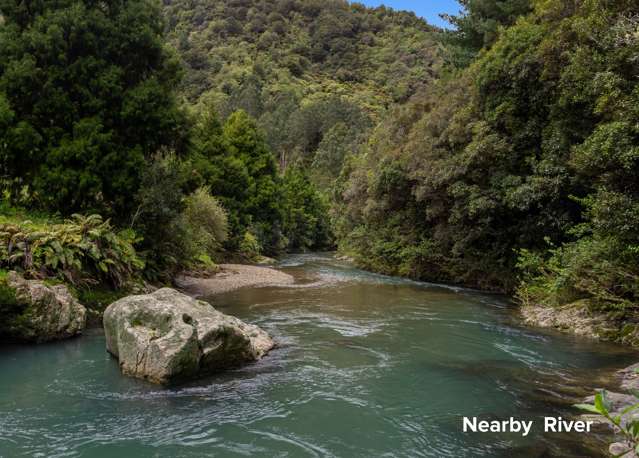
pixel 86 97
pixel 532 148
pixel 301 67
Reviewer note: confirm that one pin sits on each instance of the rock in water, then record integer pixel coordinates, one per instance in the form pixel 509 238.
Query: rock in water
pixel 43 313
pixel 167 337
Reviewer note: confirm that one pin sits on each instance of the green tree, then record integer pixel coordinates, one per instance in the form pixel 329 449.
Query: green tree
pixel 305 212
pixel 235 161
pixel 478 26
pixel 88 90
pixel 533 147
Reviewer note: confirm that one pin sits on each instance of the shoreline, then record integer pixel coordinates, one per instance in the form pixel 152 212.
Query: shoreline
pixel 580 320
pixel 231 278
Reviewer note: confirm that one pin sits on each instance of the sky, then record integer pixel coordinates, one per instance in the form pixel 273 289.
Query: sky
pixel 428 9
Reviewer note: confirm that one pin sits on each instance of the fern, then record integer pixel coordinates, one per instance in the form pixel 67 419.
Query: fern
pixel 81 250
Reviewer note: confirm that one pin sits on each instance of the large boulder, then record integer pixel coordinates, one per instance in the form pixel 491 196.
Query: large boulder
pixel 39 312
pixel 167 337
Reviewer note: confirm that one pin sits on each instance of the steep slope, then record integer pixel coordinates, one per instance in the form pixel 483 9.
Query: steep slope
pixel 524 163
pixel 316 74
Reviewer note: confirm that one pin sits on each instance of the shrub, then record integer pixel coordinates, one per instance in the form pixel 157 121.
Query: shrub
pixel 249 246
pixel 203 225
pixel 160 202
pixel 83 249
pixel 177 229
pixel 598 269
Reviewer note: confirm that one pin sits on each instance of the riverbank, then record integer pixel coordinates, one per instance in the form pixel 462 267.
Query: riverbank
pixel 232 277
pixel 579 318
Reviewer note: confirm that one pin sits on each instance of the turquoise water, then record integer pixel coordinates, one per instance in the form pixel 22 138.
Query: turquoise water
pixel 367 366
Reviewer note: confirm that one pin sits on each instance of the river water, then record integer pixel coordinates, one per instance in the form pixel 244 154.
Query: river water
pixel 367 366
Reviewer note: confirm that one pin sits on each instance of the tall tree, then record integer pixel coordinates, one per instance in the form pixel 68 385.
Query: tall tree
pixel 235 161
pixel 478 26
pixel 89 98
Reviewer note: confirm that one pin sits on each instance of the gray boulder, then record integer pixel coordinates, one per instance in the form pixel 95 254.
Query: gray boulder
pixel 42 313
pixel 167 337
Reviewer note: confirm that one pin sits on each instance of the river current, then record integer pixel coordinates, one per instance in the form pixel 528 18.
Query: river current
pixel 367 365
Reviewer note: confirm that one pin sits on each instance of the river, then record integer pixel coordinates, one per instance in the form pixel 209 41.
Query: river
pixel 367 365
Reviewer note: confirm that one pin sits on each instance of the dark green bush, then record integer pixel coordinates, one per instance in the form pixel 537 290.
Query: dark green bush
pixel 86 97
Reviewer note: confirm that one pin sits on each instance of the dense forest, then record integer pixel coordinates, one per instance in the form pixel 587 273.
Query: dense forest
pixel 501 154
pixel 519 166
pixel 316 76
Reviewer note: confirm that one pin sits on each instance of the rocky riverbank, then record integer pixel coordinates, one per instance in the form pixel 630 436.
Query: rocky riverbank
pixel 34 311
pixel 581 319
pixel 620 404
pixel 163 336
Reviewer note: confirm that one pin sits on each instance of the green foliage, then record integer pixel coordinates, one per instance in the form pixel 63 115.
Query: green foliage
pixel 160 202
pixel 250 246
pixel 9 305
pixel 601 265
pixel 625 422
pixel 177 228
pixel 203 226
pixel 85 99
pixel 523 160
pixel 479 25
pixel 305 212
pixel 234 160
pixel 534 143
pixel 79 250
pixel 99 297
pixel 301 67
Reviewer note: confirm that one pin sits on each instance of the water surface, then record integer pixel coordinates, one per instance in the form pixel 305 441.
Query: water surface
pixel 367 366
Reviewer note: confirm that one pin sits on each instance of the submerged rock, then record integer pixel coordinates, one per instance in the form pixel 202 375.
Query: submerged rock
pixel 167 337
pixel 42 313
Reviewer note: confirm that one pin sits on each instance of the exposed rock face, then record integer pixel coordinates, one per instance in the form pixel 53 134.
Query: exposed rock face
pixel 578 318
pixel 167 337
pixel 45 313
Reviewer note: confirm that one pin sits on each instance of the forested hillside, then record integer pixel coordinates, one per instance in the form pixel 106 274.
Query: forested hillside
pixel 317 75
pixel 523 165
pixel 501 154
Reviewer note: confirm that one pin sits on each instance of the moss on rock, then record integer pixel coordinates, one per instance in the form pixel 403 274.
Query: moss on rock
pixel 10 308
pixel 31 311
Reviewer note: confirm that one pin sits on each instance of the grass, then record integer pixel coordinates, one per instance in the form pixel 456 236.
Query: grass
pixel 14 215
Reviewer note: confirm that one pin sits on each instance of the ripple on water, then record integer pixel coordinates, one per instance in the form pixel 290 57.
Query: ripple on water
pixel 367 365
